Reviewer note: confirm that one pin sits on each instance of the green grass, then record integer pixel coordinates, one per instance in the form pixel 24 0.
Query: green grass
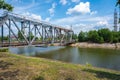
pixel 16 67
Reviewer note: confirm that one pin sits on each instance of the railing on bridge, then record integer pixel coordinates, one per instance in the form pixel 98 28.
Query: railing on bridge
pixel 21 30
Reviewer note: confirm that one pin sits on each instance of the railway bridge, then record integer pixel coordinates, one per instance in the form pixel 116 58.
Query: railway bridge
pixel 18 30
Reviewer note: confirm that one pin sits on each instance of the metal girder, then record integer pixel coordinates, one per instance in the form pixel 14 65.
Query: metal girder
pixel 12 31
pixel 48 32
pixel 20 31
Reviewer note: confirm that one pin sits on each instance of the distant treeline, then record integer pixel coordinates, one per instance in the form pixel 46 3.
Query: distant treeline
pixel 100 36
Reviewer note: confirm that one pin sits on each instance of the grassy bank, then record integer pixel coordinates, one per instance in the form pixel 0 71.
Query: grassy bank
pixel 16 67
pixel 96 45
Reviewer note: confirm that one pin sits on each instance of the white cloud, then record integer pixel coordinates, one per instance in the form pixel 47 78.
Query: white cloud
pixel 63 2
pixel 75 0
pixel 87 27
pixel 102 23
pixel 52 9
pixel 85 22
pixel 33 16
pixel 21 9
pixel 47 19
pixel 82 19
pixel 81 8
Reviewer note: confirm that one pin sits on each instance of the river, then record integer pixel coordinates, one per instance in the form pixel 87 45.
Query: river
pixel 105 58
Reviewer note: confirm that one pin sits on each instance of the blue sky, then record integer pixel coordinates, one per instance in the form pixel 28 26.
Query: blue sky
pixel 83 15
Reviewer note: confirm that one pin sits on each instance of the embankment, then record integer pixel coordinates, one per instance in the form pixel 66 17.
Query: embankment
pixel 17 67
pixel 95 45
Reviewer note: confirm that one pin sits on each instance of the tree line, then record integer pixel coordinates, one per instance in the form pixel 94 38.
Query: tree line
pixel 99 36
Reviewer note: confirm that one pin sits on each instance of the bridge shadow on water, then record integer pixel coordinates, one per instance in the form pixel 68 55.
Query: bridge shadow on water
pixel 103 74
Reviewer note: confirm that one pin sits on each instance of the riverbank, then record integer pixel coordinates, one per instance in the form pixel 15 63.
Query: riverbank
pixel 17 67
pixel 95 45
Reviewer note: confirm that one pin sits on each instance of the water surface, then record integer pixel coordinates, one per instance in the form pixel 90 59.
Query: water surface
pixel 105 58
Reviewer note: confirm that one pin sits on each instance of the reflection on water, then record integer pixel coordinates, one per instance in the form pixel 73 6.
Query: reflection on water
pixel 105 58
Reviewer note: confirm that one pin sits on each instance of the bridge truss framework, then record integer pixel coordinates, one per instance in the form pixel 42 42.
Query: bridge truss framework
pixel 30 29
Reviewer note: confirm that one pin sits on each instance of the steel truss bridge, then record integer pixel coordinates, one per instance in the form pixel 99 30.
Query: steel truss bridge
pixel 31 31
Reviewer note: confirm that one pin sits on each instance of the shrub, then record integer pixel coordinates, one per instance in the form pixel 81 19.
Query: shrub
pixel 39 78
pixel 4 49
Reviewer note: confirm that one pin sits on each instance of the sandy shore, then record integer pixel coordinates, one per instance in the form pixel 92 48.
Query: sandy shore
pixel 95 45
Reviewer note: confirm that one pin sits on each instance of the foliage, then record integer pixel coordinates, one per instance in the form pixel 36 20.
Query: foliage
pixel 118 2
pixel 6 6
pixel 74 36
pixel 106 34
pixel 115 37
pixel 39 78
pixel 4 49
pixel 4 38
pixel 82 36
pixel 20 36
pixel 93 36
pixel 31 36
pixel 88 64
pixel 100 36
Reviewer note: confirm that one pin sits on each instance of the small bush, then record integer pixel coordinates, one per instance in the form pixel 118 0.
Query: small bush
pixel 69 79
pixel 88 64
pixel 39 78
pixel 4 49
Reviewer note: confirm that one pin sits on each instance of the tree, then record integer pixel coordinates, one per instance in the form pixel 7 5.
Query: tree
pixel 6 6
pixel 20 36
pixel 74 36
pixel 116 37
pixel 31 36
pixel 119 36
pixel 82 36
pixel 93 36
pixel 106 34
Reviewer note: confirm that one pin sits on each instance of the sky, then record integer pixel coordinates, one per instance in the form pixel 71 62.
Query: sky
pixel 82 15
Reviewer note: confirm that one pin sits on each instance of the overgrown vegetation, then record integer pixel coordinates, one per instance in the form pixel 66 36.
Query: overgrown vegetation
pixel 3 49
pixel 100 36
pixel 16 67
pixel 4 38
pixel 6 6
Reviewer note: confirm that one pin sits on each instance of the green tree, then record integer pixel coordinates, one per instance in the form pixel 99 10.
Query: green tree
pixel 31 36
pixel 82 36
pixel 6 6
pixel 101 40
pixel 119 36
pixel 116 37
pixel 93 36
pixel 74 36
pixel 4 38
pixel 20 36
pixel 106 34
